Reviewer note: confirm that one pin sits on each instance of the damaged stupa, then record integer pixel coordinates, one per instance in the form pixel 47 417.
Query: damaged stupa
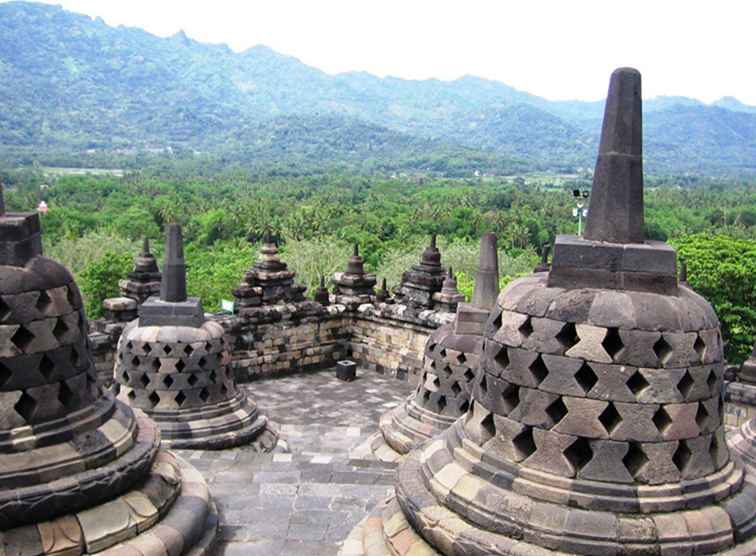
pixel 452 357
pixel 80 472
pixel 268 282
pixel 174 365
pixel 595 424
pixel 423 280
pixel 354 285
pixel 144 280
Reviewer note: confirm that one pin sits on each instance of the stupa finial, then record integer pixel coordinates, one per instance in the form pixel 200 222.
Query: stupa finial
pixel 173 286
pixel 616 209
pixel 486 288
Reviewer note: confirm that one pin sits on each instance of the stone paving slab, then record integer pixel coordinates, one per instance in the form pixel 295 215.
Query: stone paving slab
pixel 304 498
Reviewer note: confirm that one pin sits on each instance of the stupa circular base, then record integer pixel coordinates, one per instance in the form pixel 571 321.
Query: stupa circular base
pixel 409 426
pixel 168 512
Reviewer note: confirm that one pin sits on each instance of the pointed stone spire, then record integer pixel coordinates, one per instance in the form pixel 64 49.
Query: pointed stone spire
pixel 356 264
pixel 173 286
pixel 487 278
pixel 616 208
pixel 146 246
pixel 321 293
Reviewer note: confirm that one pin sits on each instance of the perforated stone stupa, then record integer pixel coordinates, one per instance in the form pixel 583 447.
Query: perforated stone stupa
pixel 268 282
pixel 451 360
pixel 79 471
pixel 174 365
pixel 595 424
pixel 144 281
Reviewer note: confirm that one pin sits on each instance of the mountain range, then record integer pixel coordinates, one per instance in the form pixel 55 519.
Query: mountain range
pixel 72 86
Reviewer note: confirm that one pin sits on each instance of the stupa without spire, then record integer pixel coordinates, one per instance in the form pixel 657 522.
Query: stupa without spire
pixel 268 282
pixel 423 280
pixel 173 364
pixel 595 423
pixel 144 280
pixel 354 283
pixel 78 469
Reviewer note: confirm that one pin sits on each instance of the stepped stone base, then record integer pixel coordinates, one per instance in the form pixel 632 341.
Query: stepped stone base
pixel 170 512
pixel 376 448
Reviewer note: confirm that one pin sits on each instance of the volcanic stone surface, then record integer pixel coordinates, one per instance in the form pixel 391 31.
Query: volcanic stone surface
pixel 423 280
pixel 595 422
pixel 174 365
pixel 268 282
pixel 80 472
pixel 144 281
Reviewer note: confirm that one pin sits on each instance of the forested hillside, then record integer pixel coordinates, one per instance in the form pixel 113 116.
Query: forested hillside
pixel 75 91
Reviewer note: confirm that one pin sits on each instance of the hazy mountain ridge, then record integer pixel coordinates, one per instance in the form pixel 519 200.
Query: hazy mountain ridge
pixel 71 82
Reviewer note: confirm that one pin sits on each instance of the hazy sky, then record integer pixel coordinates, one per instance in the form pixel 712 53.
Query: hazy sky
pixel 559 49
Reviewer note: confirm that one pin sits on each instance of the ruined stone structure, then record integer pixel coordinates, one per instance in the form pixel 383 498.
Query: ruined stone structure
pixel 321 294
pixel 144 281
pixel 452 357
pixel 80 472
pixel 423 280
pixel 174 365
pixel 383 295
pixel 268 282
pixel 595 423
pixel 354 285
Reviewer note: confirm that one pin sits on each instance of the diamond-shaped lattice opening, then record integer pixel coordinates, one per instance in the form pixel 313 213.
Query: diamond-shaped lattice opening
pixel 455 388
pixel 700 347
pixel 635 459
pixel 711 381
pixel 144 379
pixel 202 362
pixel 26 406
pixel 213 377
pixel 180 365
pixel 524 444
pixel 568 336
pixel 135 361
pixel 579 453
pixel 43 302
pixel 67 397
pixel 129 346
pixel 585 377
pixel 192 380
pixel 637 383
pixel 46 367
pixel 432 364
pixel 224 391
pixel 447 371
pixel 180 398
pixel 131 395
pixel 126 377
pixel 60 329
pixel 430 347
pixel 610 418
pixel 497 321
pixel 556 410
pixel 662 350
pixel 502 357
pixel 156 364
pixel 436 382
pixel 188 350
pixel 488 425
pixel 662 420
pixel 538 370
pixel 682 456
pixel 154 399
pixel 204 395
pixel 441 403
pixel 147 348
pixel 526 328
pixel 22 339
pixel 511 398
pixel 714 450
pixel 484 384
pixel 426 396
pixel 612 342
pixel 461 359
pixel 469 375
pixel 5 374
pixel 5 310
pixel 208 346
pixel 442 353
pixel 464 406
pixel 702 416
pixel 168 381
pixel 685 384
pixel 167 349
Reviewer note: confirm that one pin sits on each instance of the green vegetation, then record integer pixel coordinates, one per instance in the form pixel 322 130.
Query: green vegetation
pixel 96 223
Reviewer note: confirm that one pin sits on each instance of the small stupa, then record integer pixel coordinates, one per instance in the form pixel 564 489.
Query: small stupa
pixel 423 280
pixel 354 284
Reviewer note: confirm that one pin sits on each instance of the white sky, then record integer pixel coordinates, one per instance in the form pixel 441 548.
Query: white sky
pixel 558 49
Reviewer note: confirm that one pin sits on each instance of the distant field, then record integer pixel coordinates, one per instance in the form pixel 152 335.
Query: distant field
pixel 53 171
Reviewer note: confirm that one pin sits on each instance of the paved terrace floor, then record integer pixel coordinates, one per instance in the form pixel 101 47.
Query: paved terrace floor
pixel 304 502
